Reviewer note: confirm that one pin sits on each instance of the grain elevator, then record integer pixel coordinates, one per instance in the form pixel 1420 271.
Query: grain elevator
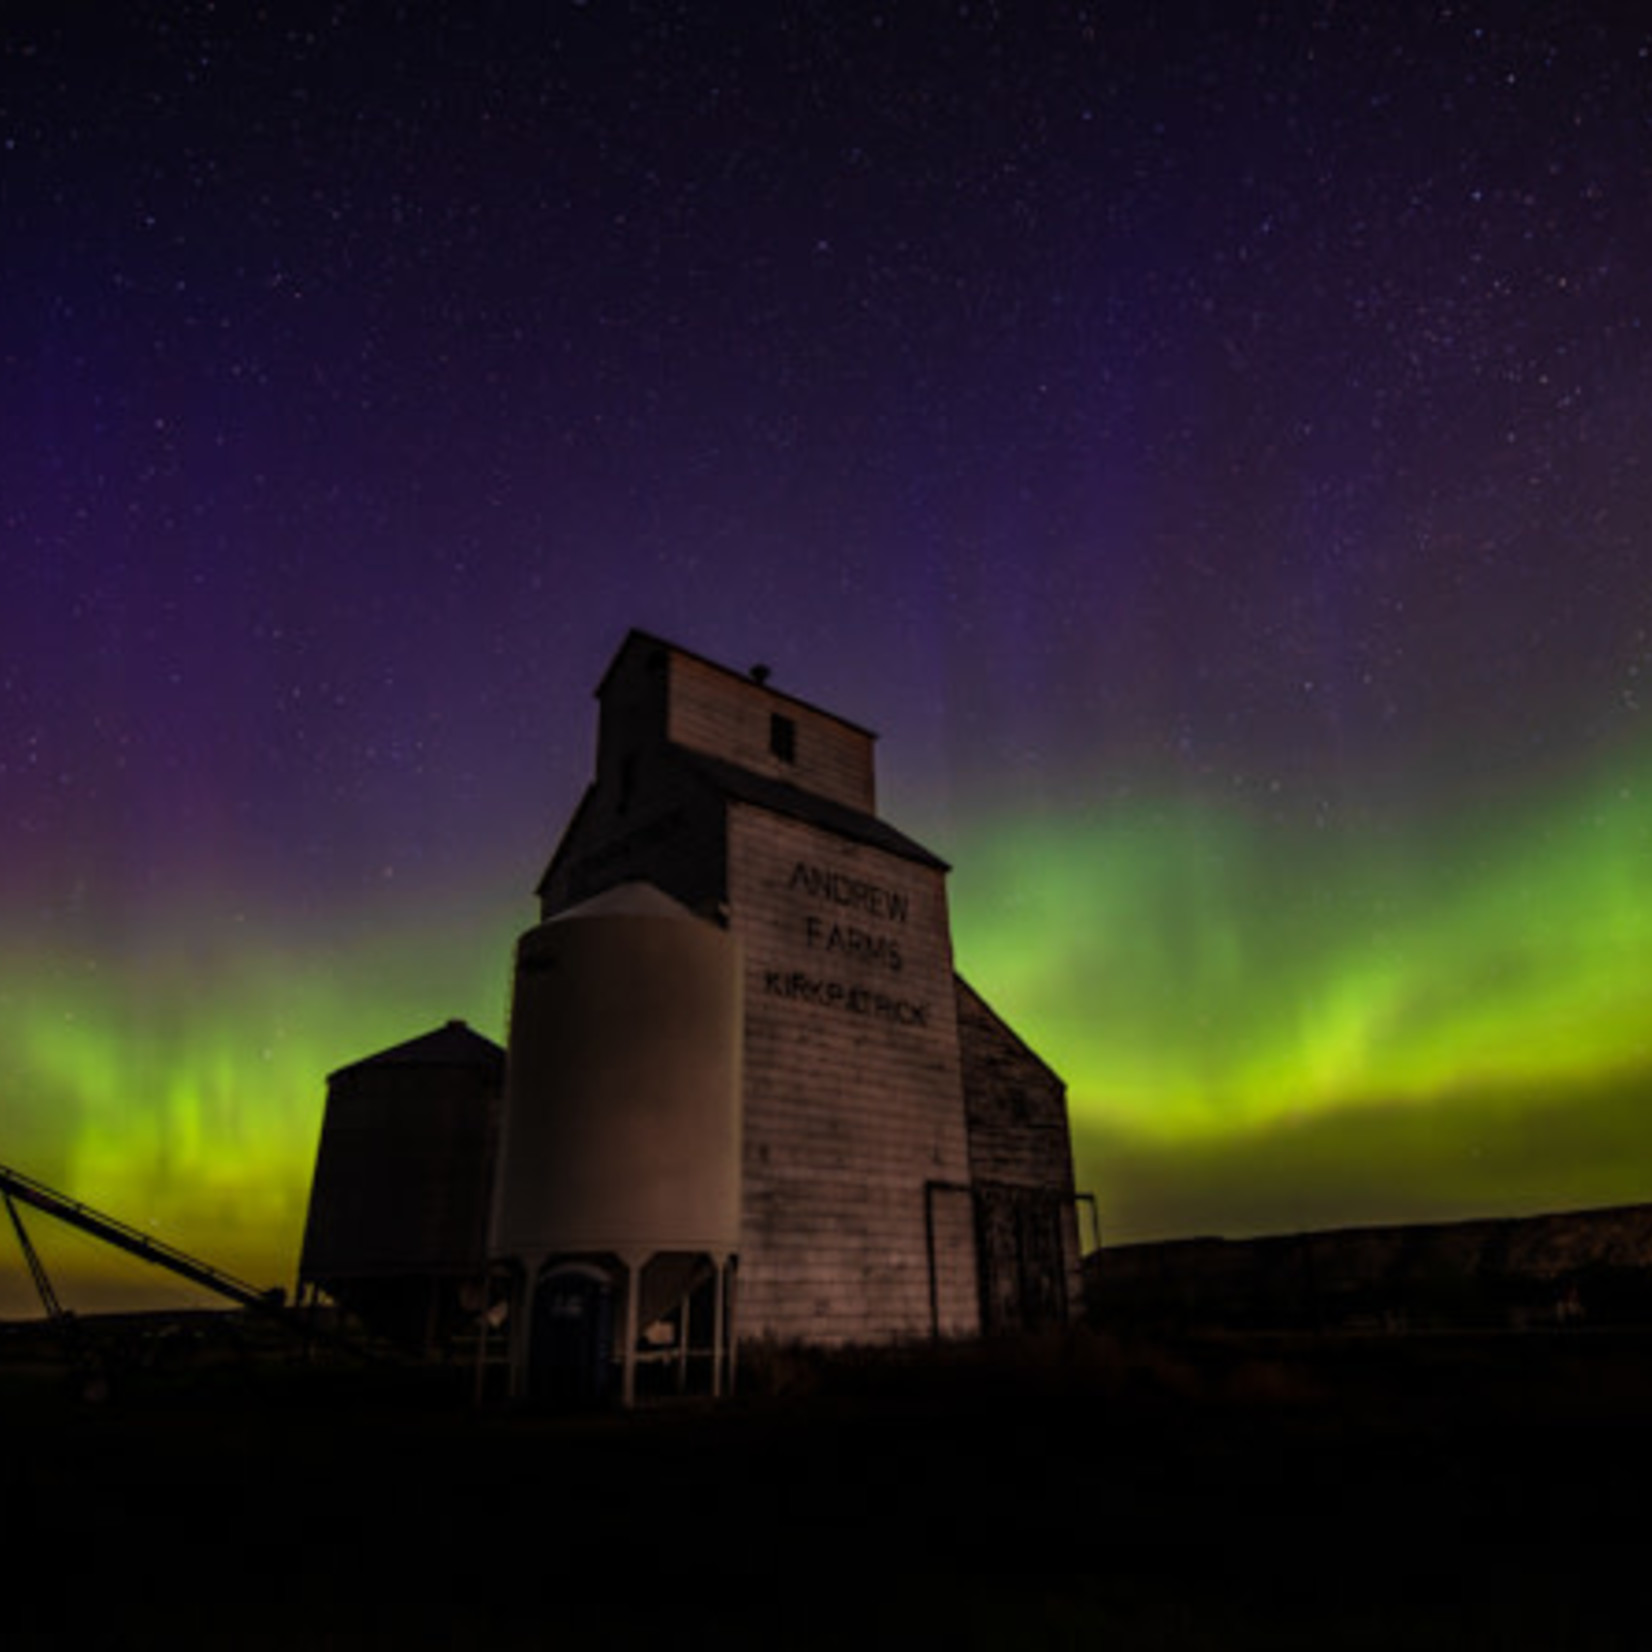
pixel 745 1095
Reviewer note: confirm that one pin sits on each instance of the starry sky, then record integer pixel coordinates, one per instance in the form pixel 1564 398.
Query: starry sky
pixel 1211 444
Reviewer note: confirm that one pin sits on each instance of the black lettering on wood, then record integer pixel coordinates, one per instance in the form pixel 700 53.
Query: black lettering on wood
pixel 798 986
pixel 860 894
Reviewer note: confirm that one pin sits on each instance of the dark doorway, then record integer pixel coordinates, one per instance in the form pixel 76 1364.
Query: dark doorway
pixel 1018 1232
pixel 571 1355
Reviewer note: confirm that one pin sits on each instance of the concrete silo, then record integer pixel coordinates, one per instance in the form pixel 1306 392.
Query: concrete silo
pixel 617 1195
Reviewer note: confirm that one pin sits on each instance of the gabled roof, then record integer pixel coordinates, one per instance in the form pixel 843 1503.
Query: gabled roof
pixel 453 1044
pixel 647 639
pixel 779 798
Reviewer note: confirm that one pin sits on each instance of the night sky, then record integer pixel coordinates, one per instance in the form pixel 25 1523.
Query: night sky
pixel 1214 450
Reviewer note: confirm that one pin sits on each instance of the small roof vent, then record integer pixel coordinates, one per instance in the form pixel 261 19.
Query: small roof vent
pixel 760 674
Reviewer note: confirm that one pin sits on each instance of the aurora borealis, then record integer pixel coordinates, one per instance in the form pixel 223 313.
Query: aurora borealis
pixel 1211 445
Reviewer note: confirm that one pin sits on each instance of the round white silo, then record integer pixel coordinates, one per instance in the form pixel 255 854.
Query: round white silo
pixel 621 1131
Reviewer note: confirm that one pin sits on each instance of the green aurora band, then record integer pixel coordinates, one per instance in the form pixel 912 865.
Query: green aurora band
pixel 1264 1028
pixel 180 1088
pixel 1220 981
pixel 1260 1027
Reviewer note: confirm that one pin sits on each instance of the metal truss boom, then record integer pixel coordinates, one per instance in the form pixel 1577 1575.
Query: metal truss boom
pixel 15 1185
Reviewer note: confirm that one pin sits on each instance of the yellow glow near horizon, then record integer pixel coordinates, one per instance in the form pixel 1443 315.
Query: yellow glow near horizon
pixel 181 1091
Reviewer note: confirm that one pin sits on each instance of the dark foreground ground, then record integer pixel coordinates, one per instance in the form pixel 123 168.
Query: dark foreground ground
pixel 1095 1493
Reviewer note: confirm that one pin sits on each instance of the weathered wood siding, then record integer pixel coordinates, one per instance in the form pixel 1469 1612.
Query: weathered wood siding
pixel 906 1165
pixel 854 1100
pixel 713 711
pixel 1021 1161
